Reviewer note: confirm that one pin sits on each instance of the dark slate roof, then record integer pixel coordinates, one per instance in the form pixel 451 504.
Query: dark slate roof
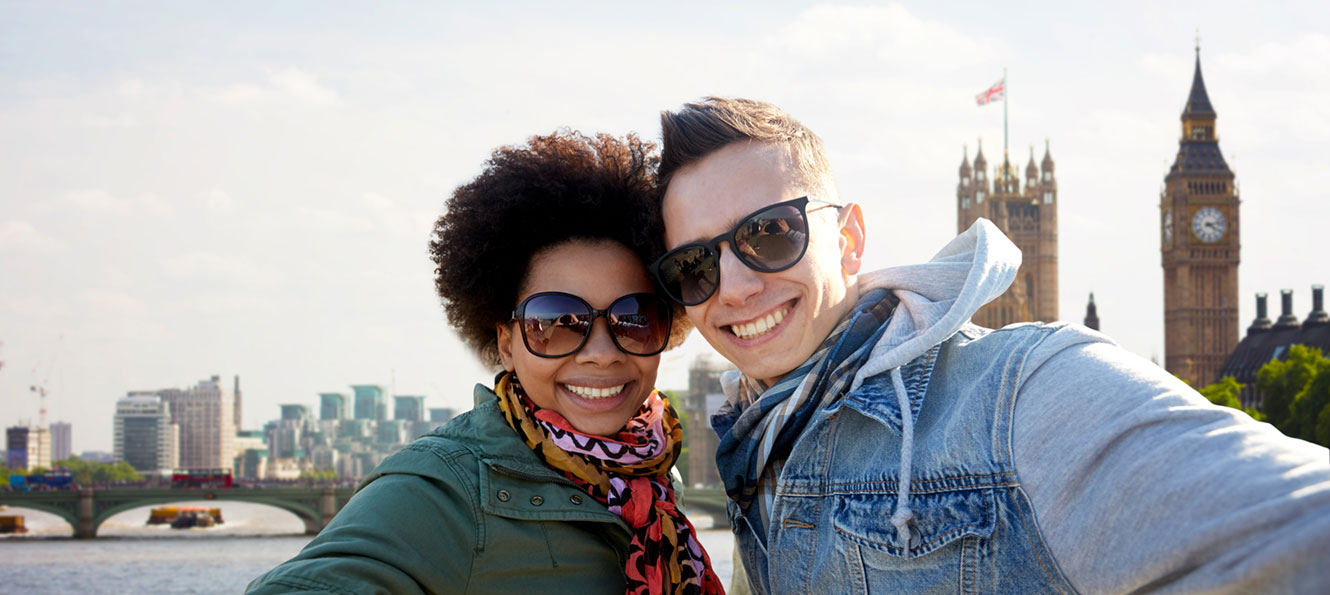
pixel 1198 101
pixel 1256 350
pixel 1199 157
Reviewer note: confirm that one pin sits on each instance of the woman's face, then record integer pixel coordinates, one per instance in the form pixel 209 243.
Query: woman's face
pixel 598 388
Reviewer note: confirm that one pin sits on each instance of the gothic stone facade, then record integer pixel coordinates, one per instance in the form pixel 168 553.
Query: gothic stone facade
pixel 1029 216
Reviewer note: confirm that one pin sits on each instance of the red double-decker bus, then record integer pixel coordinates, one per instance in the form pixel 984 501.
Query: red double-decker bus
pixel 201 478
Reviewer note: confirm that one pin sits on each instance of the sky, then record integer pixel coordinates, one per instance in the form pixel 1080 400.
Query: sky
pixel 248 188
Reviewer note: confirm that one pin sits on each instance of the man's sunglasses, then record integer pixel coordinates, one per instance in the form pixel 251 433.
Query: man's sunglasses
pixel 769 240
pixel 557 324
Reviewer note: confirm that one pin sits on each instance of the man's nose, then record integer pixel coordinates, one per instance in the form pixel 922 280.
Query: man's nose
pixel 738 283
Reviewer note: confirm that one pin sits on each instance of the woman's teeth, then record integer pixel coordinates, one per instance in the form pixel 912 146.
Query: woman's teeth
pixel 760 326
pixel 587 392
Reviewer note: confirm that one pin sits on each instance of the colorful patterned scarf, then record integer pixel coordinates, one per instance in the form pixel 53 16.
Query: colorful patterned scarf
pixel 629 474
pixel 758 429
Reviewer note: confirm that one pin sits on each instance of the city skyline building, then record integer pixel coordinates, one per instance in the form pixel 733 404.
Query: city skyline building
pixel 332 406
pixel 409 408
pixel 703 398
pixel 1092 314
pixel 207 428
pixel 1199 246
pixel 238 410
pixel 441 415
pixel 28 447
pixel 144 434
pixel 62 440
pixel 369 402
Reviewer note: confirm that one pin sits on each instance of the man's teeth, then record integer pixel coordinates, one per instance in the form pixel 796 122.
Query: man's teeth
pixel 587 392
pixel 760 326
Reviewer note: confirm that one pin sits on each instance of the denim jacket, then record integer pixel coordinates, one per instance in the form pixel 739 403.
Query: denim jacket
pixel 1038 458
pixel 973 529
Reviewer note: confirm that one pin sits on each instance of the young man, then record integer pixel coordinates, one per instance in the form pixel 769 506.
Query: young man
pixel 876 440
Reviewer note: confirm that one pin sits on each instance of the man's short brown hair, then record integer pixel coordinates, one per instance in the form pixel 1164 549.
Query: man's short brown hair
pixel 697 129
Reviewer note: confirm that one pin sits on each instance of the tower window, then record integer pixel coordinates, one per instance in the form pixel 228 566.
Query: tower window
pixel 1200 132
pixel 1048 175
pixel 979 175
pixel 965 181
pixel 979 196
pixel 965 202
pixel 1048 198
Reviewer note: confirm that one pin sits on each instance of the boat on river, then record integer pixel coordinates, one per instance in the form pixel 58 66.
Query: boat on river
pixel 167 515
pixel 12 523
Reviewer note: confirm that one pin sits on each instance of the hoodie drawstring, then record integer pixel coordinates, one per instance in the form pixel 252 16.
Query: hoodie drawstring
pixel 901 518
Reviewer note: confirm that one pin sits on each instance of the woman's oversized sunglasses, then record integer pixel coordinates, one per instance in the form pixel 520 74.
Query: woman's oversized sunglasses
pixel 557 324
pixel 769 240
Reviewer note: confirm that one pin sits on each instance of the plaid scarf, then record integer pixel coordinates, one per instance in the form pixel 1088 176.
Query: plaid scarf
pixel 629 474
pixel 759 427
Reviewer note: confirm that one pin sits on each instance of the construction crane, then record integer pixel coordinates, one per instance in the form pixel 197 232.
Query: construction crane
pixel 40 389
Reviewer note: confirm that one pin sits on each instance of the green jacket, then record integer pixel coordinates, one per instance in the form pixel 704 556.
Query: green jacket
pixel 467 508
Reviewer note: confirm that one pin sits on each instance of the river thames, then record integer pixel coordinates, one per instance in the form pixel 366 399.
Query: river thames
pixel 130 556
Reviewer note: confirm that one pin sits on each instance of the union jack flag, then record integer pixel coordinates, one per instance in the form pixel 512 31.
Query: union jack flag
pixel 994 93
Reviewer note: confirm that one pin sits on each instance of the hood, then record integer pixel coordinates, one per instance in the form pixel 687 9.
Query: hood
pixel 938 297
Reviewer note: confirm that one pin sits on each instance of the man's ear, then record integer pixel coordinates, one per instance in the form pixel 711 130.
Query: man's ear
pixel 852 235
pixel 505 335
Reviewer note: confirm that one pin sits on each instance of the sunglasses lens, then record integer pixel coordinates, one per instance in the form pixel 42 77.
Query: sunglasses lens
pixel 554 325
pixel 689 274
pixel 640 323
pixel 773 239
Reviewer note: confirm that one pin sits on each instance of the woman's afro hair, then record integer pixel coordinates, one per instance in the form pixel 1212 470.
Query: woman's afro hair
pixel 555 188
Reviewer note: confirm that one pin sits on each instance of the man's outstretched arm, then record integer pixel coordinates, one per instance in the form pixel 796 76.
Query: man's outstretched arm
pixel 1139 483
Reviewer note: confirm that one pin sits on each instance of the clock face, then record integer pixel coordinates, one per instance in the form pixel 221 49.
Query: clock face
pixel 1208 224
pixel 1168 226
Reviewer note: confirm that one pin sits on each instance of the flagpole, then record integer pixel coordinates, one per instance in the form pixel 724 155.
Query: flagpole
pixel 1006 98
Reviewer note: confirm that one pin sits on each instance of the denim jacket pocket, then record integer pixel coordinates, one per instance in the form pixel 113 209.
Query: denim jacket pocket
pixel 939 519
pixel 949 542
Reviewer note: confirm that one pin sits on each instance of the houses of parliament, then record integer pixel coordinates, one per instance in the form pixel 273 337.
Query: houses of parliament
pixel 1199 241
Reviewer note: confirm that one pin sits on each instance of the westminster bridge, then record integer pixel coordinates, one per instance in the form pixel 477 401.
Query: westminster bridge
pixel 86 509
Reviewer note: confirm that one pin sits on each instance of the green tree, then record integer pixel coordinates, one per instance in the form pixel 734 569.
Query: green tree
pixel 92 471
pixel 1279 382
pixel 1309 405
pixel 1225 394
pixel 1296 394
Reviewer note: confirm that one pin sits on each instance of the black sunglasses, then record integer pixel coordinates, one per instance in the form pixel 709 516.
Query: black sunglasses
pixel 769 240
pixel 557 324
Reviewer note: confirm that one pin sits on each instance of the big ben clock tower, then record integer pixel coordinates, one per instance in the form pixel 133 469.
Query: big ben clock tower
pixel 1199 244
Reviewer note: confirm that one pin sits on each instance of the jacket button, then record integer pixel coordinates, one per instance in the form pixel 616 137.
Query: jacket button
pixel 504 496
pixel 537 500
pixel 575 499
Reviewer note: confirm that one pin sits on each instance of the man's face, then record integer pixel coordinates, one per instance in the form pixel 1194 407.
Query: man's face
pixel 767 324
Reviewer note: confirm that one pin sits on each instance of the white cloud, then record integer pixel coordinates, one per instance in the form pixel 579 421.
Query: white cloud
pixel 101 302
pixel 303 86
pixel 330 220
pixel 888 33
pixel 92 200
pixel 283 85
pixel 218 201
pixel 102 121
pixel 221 269
pixel 22 235
pixel 239 94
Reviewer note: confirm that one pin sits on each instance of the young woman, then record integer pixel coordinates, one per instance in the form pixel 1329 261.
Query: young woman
pixel 558 480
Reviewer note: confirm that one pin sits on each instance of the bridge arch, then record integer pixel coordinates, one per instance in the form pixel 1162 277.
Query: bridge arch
pixel 311 517
pixel 67 513
pixel 87 509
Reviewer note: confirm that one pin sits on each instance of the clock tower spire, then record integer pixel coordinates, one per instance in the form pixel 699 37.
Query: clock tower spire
pixel 1199 246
